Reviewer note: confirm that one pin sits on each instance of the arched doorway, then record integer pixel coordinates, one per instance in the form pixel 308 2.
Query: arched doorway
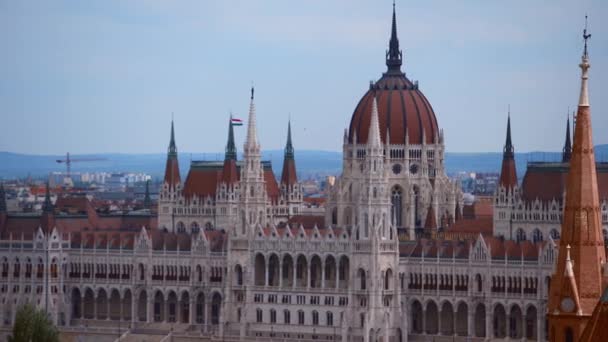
pixel 142 306
pixel 462 315
pixel 447 319
pixel 500 321
pixel 516 323
pixel 159 307
pixel 480 320
pixel 76 303
pixel 287 273
pixel 432 318
pixel 260 270
pixel 416 314
pixel 531 328
pixel 273 270
pixel 216 304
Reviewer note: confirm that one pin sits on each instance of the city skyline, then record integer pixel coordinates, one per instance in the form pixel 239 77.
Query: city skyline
pixel 112 75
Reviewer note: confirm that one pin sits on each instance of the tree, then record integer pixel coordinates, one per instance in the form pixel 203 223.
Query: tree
pixel 32 325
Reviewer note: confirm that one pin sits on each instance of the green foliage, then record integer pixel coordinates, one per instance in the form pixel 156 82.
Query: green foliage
pixel 32 325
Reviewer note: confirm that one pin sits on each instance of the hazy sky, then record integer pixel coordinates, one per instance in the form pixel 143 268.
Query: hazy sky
pixel 105 76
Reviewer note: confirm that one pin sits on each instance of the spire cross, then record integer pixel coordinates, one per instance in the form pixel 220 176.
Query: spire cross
pixel 586 35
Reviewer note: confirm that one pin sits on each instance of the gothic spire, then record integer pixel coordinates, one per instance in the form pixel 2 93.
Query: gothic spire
pixel 47 206
pixel 584 96
pixel 394 55
pixel 374 126
pixel 508 149
pixel 288 175
pixel 581 229
pixel 172 176
pixel 230 146
pixel 508 173
pixel 2 199
pixel 251 141
pixel 289 147
pixel 567 151
pixel 172 147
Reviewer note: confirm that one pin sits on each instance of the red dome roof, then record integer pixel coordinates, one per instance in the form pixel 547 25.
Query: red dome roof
pixel 401 106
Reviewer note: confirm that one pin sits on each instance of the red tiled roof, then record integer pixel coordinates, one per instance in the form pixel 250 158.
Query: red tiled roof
pixel 272 188
pixel 508 174
pixel 547 181
pixel 402 109
pixel 202 182
pixel 480 225
pixel 288 176
pixel 172 176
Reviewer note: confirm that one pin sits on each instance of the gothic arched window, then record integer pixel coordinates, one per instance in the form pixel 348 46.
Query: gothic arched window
pixel 537 235
pixel 396 206
pixel 521 235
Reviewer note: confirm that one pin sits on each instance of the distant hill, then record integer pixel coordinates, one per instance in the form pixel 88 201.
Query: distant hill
pixel 309 162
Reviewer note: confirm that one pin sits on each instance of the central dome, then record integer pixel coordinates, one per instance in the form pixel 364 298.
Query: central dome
pixel 402 108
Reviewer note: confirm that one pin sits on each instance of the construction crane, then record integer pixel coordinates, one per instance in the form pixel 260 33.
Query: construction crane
pixel 68 162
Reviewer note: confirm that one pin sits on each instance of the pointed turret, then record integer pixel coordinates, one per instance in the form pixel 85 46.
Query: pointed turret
pixel 288 176
pixel 251 141
pixel 229 172
pixel 394 55
pixel 508 174
pixel 567 151
pixel 581 230
pixel 172 177
pixel 147 199
pixel 374 129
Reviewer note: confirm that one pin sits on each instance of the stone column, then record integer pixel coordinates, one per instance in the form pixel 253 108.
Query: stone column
pixel 134 312
pixel 266 274
pixel 308 279
pixel 489 324
pixel 280 273
pixel 470 322
pixel 108 307
pixel 423 321
pixel 95 307
pixel 192 311
pixel 150 308
pixel 322 276
pixel 540 326
pixel 439 326
pixel 82 305
pixel 295 273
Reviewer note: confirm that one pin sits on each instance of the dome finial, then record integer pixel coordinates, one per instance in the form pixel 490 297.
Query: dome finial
pixel 394 55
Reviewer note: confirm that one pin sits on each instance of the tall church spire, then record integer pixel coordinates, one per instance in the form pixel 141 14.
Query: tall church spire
pixel 172 176
pixel 251 141
pixel 229 172
pixel 288 176
pixel 394 56
pixel 567 151
pixel 289 146
pixel 374 128
pixel 230 146
pixel 508 173
pixel 581 230
pixel 172 147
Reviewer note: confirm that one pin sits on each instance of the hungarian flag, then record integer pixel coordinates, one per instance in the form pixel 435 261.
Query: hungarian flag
pixel 236 122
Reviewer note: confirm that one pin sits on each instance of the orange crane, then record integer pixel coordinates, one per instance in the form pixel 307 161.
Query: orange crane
pixel 68 162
